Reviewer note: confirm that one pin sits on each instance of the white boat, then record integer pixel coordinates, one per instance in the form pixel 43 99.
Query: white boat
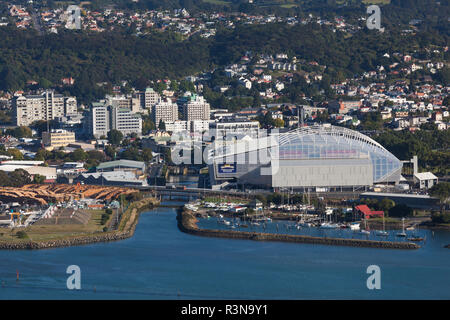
pixel 403 233
pixel 226 222
pixel 302 223
pixel 328 225
pixel 383 232
pixel 354 226
pixel 366 229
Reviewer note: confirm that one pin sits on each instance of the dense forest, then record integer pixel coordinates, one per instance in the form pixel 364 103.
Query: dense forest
pixel 431 147
pixel 94 58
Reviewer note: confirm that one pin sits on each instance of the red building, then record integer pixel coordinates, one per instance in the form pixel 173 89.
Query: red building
pixel 364 210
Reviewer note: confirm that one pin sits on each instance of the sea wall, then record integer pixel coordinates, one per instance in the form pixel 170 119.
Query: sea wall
pixel 126 230
pixel 188 224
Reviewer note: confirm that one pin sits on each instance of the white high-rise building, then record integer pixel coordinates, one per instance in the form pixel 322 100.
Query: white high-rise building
pixel 150 98
pixel 104 118
pixel 99 121
pixel 165 111
pixel 196 108
pixel 124 120
pixel 46 106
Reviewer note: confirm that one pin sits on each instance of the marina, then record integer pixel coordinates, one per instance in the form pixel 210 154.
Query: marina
pixel 325 230
pixel 304 221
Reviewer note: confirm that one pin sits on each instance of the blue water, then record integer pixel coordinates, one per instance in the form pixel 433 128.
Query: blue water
pixel 160 262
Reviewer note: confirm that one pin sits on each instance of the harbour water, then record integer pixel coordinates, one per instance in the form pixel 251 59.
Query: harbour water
pixel 160 262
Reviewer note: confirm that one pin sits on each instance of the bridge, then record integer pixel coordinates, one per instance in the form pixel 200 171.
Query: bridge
pixel 202 192
pixel 193 192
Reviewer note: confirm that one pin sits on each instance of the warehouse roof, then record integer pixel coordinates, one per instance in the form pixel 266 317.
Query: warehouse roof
pixel 425 176
pixel 122 164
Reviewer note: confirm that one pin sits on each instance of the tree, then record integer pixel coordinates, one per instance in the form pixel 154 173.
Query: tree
pixel 442 192
pixel 42 155
pixel 78 155
pixel 21 234
pixel 147 126
pixel 39 179
pixel 386 204
pixel 186 85
pixel 19 178
pixel 15 153
pixel 279 123
pixel 115 137
pixel 20 132
pixel 400 211
pixel 161 125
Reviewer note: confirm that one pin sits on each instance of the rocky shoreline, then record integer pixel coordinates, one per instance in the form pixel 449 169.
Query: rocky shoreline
pixel 126 230
pixel 188 223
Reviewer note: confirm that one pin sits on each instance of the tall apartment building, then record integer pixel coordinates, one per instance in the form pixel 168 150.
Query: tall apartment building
pixel 46 106
pixel 165 111
pixel 125 121
pixel 131 102
pixel 196 108
pixel 104 118
pixel 138 102
pixel 151 97
pixel 98 120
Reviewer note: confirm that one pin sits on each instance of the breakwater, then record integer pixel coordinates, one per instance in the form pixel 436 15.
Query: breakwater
pixel 188 223
pixel 125 230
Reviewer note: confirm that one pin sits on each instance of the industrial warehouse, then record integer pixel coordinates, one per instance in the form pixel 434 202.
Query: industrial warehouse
pixel 309 158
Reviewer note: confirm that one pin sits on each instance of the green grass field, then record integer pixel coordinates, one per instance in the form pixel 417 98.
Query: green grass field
pixel 53 232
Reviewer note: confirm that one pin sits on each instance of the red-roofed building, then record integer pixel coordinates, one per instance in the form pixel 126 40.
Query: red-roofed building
pixel 365 210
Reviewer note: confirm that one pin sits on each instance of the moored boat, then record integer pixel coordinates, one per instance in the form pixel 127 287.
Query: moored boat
pixel 354 226
pixel 403 233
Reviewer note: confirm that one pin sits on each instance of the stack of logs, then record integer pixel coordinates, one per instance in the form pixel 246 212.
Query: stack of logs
pixel 44 194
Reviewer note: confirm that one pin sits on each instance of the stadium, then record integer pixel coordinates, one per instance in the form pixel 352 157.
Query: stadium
pixel 309 158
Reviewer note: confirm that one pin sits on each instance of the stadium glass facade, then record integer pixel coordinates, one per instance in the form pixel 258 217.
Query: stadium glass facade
pixel 316 156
